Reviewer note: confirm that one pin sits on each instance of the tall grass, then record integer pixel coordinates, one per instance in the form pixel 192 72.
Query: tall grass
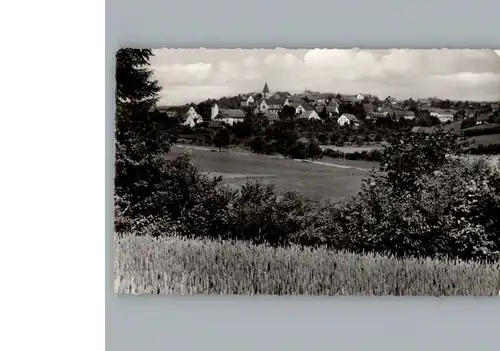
pixel 174 265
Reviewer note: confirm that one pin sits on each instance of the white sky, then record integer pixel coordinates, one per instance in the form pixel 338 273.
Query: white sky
pixel 192 75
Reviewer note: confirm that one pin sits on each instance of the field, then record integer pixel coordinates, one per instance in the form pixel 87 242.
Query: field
pixel 172 265
pixel 325 178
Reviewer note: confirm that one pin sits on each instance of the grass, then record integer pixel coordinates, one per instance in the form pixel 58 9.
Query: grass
pixel 173 265
pixel 308 178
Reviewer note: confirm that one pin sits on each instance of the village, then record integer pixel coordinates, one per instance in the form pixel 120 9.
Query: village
pixel 346 110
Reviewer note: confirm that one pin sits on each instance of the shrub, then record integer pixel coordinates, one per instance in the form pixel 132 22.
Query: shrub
pixel 448 212
pixel 258 145
pixel 467 123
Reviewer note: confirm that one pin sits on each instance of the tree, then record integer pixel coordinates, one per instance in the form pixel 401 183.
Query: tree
pixel 222 138
pixel 314 150
pixel 258 145
pixel 409 156
pixel 140 141
pixel 287 112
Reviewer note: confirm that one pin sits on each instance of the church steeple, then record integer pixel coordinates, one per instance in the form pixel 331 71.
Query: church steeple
pixel 266 92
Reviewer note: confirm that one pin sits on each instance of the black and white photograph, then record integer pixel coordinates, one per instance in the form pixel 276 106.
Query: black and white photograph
pixel 307 172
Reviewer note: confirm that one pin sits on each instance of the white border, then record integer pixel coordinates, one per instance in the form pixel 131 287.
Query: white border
pixel 52 176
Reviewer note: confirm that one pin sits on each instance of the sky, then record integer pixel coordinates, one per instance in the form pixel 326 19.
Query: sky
pixel 193 75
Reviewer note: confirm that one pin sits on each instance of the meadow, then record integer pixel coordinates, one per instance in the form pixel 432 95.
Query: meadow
pixel 331 178
pixel 175 265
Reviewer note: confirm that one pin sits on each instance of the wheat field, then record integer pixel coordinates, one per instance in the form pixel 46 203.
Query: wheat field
pixel 174 265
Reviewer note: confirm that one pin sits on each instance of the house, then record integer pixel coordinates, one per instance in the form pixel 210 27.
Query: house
pixel 348 119
pixel 266 93
pixel 443 115
pixel 424 102
pixel 408 115
pixel 191 118
pixel 332 110
pixel 263 106
pixel 230 116
pixel 214 111
pixel 312 99
pixel 322 99
pixel 483 118
pixel 248 102
pixel 275 105
pixel 309 115
pixel 369 107
pixel 272 117
pixel 374 116
pixel 389 111
pixel 348 99
pixel 299 107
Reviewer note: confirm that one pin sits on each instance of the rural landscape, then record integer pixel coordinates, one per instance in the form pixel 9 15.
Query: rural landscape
pixel 366 172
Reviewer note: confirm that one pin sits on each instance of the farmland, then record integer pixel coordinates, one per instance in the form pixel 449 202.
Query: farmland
pixel 326 178
pixel 173 265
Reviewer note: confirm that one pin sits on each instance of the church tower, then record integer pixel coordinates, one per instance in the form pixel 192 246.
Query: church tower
pixel 265 92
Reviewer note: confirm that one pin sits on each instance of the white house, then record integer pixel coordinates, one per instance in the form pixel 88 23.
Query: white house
pixel 230 116
pixel 214 112
pixel 299 107
pixel 275 105
pixel 309 115
pixel 408 115
pixel 192 118
pixel 263 106
pixel 443 115
pixel 348 119
pixel 248 102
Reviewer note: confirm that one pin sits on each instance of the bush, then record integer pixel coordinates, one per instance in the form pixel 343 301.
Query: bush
pixel 258 145
pixel 449 211
pixel 467 123
pixel 372 155
pixel 487 129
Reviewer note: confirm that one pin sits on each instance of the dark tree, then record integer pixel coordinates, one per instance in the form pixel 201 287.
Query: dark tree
pixel 287 112
pixel 314 150
pixel 140 141
pixel 222 138
pixel 258 145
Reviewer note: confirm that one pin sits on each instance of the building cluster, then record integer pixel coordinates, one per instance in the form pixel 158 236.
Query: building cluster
pixel 310 106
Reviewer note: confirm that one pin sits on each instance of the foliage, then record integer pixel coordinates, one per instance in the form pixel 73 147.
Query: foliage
pixel 412 155
pixel 448 211
pixel 372 155
pixel 487 129
pixel 222 138
pixel 174 265
pixel 140 141
pixel 467 123
pixel 258 145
